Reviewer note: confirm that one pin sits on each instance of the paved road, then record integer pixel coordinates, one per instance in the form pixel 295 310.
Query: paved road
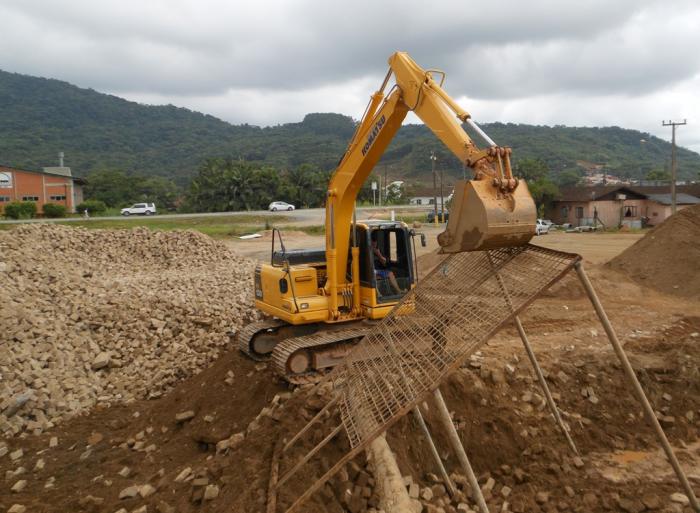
pixel 303 215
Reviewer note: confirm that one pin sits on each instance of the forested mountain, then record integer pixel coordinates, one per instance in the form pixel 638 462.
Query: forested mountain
pixel 40 117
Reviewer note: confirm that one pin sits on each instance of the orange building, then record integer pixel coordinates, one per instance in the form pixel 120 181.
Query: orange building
pixel 50 185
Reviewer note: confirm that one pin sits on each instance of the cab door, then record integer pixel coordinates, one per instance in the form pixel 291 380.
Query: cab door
pixel 378 294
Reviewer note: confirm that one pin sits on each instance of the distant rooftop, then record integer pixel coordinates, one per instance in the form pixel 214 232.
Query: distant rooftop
pixel 608 192
pixel 53 171
pixel 56 170
pixel 681 199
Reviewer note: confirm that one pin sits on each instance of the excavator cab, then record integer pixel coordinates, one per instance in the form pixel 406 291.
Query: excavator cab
pixel 388 263
pixel 386 260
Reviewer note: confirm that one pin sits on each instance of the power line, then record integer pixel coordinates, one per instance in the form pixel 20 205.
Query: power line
pixel 673 125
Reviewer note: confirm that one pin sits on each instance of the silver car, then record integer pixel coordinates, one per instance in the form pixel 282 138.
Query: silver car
pixel 280 205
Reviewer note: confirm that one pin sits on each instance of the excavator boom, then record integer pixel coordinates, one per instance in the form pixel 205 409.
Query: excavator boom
pixel 492 210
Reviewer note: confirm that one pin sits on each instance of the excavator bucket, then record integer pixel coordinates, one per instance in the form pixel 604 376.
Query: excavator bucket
pixel 483 217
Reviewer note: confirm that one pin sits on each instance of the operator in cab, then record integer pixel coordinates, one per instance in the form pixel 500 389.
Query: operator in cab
pixel 381 269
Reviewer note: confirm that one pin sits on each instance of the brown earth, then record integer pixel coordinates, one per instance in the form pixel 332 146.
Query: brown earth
pixel 668 257
pixel 497 407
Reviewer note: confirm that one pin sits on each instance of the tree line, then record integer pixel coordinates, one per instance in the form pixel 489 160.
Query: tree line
pixel 220 185
pixel 226 184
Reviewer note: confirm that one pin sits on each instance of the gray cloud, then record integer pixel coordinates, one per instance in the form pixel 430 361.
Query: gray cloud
pixel 597 62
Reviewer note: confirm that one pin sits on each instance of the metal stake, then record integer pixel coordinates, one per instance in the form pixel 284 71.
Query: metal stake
pixel 459 449
pixel 632 377
pixel 533 359
pixel 543 384
pixel 445 477
pixel 274 474
pixel 417 414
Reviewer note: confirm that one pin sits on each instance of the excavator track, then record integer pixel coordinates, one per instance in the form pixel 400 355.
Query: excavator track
pixel 245 338
pixel 306 359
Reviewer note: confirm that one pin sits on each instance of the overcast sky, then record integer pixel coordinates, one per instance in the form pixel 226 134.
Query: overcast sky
pixel 629 63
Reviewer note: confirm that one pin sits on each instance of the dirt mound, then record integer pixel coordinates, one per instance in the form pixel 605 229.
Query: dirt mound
pixel 667 258
pixel 513 444
pixel 98 317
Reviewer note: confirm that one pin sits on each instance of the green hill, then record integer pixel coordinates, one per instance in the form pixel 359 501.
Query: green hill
pixel 41 117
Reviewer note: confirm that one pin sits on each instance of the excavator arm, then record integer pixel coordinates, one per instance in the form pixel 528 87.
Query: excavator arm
pixel 492 210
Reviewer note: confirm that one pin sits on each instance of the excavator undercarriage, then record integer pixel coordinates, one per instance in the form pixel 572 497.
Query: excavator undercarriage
pixel 300 354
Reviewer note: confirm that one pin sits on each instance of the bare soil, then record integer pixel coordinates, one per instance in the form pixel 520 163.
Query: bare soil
pixel 668 257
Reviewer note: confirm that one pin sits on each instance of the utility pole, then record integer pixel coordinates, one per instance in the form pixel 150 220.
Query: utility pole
pixel 386 185
pixel 442 199
pixel 673 125
pixel 433 158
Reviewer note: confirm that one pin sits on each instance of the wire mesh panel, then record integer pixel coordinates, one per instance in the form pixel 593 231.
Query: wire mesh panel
pixel 447 317
pixel 452 312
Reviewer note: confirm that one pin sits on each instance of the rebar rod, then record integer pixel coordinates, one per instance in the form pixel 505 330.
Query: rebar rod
pixel 543 384
pixel 436 455
pixel 311 423
pixel 639 391
pixel 459 449
pixel 309 455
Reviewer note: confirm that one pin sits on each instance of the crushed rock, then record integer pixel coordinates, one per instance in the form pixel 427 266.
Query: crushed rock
pixel 109 316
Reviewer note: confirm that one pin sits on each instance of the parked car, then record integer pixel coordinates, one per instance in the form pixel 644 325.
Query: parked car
pixel 431 216
pixel 541 228
pixel 145 209
pixel 280 205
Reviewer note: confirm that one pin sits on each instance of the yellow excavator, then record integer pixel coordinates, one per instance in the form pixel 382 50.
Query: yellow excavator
pixel 319 303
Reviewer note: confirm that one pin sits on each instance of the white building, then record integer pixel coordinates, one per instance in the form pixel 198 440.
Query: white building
pixel 426 196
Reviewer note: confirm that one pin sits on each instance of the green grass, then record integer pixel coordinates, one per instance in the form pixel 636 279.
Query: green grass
pixel 309 230
pixel 217 226
pixel 409 218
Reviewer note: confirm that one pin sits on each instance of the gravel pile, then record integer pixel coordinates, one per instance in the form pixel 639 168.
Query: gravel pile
pixel 99 316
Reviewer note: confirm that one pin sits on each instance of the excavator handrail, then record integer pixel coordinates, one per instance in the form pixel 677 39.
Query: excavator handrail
pixel 272 252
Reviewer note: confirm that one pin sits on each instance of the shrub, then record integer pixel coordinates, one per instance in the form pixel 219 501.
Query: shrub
pixel 54 210
pixel 20 210
pixel 92 206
